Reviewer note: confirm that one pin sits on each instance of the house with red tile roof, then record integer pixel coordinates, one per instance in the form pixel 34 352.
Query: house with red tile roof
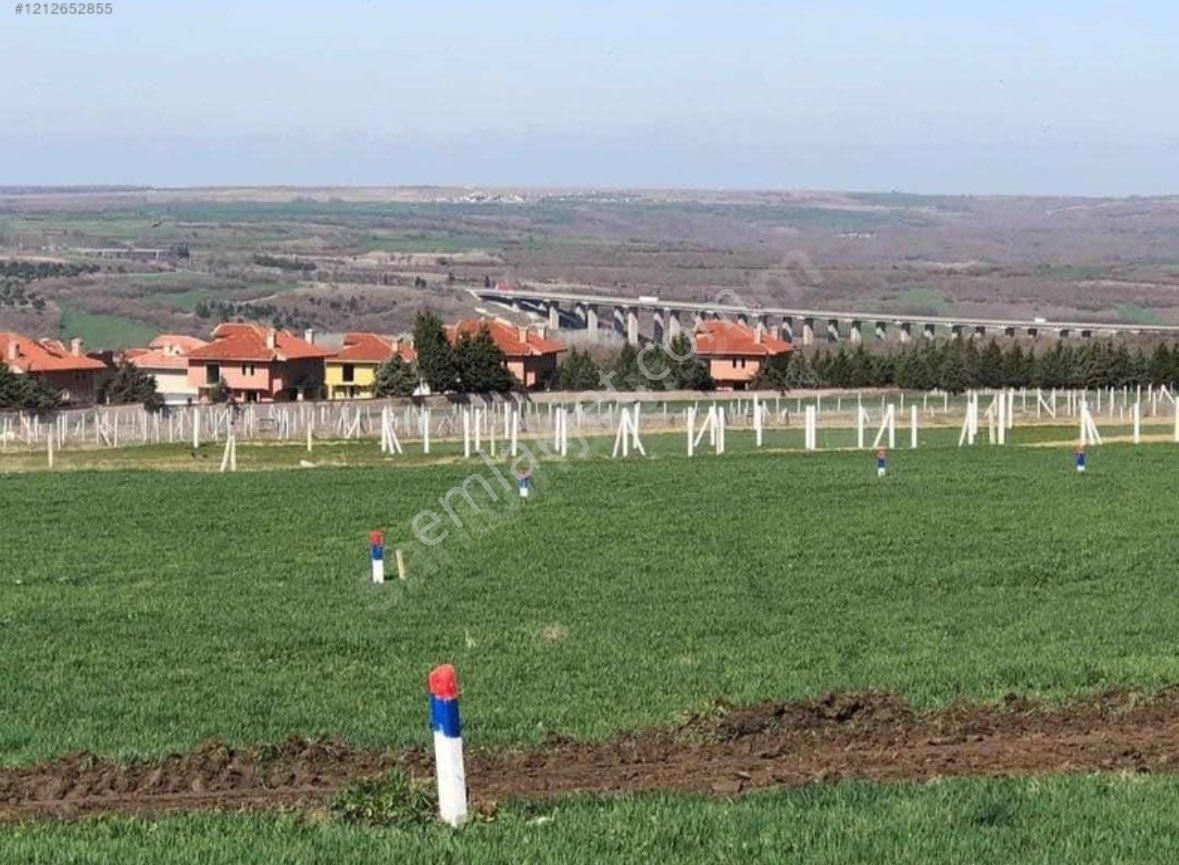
pixel 258 364
pixel 70 371
pixel 531 356
pixel 735 352
pixel 166 360
pixel 351 373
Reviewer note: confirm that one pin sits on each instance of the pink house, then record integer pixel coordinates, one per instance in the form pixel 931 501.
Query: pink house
pixel 258 364
pixel 735 352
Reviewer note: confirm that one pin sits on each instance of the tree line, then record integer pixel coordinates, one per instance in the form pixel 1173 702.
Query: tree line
pixel 957 365
pixel 474 364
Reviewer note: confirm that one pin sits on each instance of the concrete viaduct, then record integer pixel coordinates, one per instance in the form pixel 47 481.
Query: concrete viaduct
pixel 802 326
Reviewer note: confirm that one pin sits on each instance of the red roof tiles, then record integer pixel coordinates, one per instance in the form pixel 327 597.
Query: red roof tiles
pixel 731 338
pixel 513 341
pixel 253 342
pixel 26 355
pixel 372 348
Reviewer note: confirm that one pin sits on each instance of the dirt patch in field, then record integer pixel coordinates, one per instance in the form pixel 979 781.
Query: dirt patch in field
pixel 725 752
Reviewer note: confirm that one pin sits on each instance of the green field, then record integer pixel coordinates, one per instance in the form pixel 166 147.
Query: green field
pixel 146 611
pixel 105 331
pixel 1099 820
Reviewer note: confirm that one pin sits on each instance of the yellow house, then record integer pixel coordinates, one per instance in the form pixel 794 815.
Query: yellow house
pixel 352 371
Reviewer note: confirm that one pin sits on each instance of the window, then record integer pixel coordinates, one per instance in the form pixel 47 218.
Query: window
pixel 212 373
pixel 349 372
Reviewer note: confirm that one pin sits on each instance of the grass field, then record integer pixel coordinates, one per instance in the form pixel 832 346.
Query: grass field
pixel 105 331
pixel 1059 820
pixel 146 611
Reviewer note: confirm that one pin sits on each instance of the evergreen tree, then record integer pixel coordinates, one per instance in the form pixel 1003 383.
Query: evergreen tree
pixel 625 369
pixel 688 370
pixel 25 392
pixel 578 371
pixel 481 364
pixel 436 361
pixel 130 386
pixel 990 365
pixel 396 377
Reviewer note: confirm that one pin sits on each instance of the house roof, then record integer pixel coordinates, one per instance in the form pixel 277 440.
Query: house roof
pixel 42 355
pixel 248 342
pixel 372 348
pixel 149 358
pixel 731 338
pixel 176 340
pixel 166 351
pixel 513 341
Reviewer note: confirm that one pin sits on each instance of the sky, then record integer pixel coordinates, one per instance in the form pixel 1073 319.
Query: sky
pixel 997 97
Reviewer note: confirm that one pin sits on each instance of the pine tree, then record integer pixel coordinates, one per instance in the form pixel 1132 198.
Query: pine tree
pixel 688 370
pixel 481 364
pixel 25 392
pixel 578 371
pixel 436 361
pixel 396 377
pixel 130 386
pixel 990 365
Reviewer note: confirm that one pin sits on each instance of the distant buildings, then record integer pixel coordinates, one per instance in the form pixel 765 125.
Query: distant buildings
pixel 351 373
pixel 166 359
pixel 735 352
pixel 69 370
pixel 258 364
pixel 531 357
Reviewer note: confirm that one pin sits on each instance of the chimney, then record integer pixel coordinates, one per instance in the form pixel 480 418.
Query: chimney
pixel 523 333
pixel 76 347
pixel 272 339
pixel 13 350
pixel 759 333
pixel 309 335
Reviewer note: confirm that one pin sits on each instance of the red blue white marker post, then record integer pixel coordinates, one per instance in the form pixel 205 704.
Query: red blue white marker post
pixel 377 545
pixel 1080 455
pixel 881 462
pixel 524 482
pixel 448 745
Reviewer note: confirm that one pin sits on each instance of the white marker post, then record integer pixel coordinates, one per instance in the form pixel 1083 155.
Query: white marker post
pixel 448 745
pixel 376 539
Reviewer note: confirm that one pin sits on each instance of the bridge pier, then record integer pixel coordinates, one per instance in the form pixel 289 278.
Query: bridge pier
pixel 632 325
pixel 1086 333
pixel 808 331
pixel 906 329
pixel 1009 332
pixel 619 321
pixel 659 326
pixel 673 324
pixel 881 331
pixel 980 331
pixel 956 331
pixel 833 330
pixel 928 331
pixel 855 331
pixel 1063 333
pixel 786 328
pixel 554 311
pixel 1033 332
pixel 589 314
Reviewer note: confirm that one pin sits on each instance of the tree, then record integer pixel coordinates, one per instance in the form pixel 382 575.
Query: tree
pixel 578 371
pixel 396 377
pixel 26 392
pixel 436 361
pixel 481 365
pixel 688 371
pixel 219 392
pixel 130 386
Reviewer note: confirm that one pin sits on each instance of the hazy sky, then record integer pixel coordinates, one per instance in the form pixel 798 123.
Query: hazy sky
pixel 1069 97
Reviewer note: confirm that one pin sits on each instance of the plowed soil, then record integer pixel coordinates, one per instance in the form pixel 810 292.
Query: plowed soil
pixel 725 752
